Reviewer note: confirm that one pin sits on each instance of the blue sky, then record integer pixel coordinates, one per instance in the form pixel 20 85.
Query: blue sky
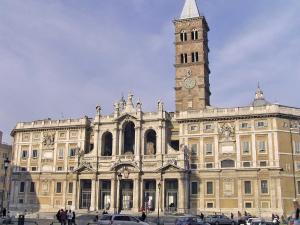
pixel 60 58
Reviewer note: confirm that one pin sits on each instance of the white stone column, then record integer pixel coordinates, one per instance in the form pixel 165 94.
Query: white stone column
pixel 270 149
pixel 253 146
pixel 136 191
pixel 113 196
pixel 202 192
pixel 240 194
pixel 120 142
pixel 216 151
pixel 64 192
pixel 276 149
pixel 12 193
pixel 118 195
pixel 156 194
pixel 93 195
pixel 115 142
pixel 238 151
pixel 217 190
pixel 181 196
pixel 75 190
pixel 159 145
pixel 97 189
pixel 163 140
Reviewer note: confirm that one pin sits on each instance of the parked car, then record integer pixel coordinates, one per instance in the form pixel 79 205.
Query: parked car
pixel 190 220
pixel 252 219
pixel 118 219
pixel 219 220
pixel 243 219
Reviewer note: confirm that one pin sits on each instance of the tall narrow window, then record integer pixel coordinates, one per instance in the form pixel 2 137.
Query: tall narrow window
pixel 183 58
pixel 208 149
pixel 194 188
pixel 183 36
pixel 24 154
pixel 32 187
pixel 34 153
pixel 209 188
pixel 60 153
pixel 70 188
pixel 194 35
pixel 264 187
pixel 246 147
pixel 247 186
pixel 22 187
pixel 58 187
pixel 261 146
pixel 195 57
pixel 297 147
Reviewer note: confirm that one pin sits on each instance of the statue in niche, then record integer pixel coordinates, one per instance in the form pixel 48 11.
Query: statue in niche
pixel 98 110
pixel 150 148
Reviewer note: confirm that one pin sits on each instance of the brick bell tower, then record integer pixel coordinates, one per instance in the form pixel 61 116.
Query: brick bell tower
pixel 192 66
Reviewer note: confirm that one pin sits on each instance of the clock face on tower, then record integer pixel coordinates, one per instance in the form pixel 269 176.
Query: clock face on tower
pixel 189 83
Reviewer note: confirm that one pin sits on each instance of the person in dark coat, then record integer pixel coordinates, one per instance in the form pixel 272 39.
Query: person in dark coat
pixel 63 217
pixel 202 216
pixel 231 216
pixel 73 218
pixel 143 217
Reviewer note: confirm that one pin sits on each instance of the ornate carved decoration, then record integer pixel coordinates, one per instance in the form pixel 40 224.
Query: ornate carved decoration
pixel 48 139
pixel 226 132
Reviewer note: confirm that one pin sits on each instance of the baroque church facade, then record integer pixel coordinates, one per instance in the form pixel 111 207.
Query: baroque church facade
pixel 199 158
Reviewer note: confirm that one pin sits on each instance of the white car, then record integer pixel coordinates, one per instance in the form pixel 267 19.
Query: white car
pixel 250 220
pixel 118 219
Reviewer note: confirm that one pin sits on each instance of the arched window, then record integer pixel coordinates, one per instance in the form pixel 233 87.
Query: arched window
pixel 150 142
pixel 227 163
pixel 107 143
pixel 194 35
pixel 129 138
pixel 183 36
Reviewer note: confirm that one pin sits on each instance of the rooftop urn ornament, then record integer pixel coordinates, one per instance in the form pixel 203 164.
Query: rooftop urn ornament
pixel 139 105
pixel 160 106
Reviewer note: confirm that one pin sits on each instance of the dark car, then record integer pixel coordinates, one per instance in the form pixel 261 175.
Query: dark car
pixel 190 220
pixel 219 220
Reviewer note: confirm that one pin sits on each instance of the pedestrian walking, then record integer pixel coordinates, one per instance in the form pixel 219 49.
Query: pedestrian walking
pixel 4 212
pixel 296 212
pixel 69 217
pixel 63 217
pixel 202 216
pixel 231 216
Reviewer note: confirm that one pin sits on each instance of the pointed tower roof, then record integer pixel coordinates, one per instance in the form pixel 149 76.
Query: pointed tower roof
pixel 259 99
pixel 190 10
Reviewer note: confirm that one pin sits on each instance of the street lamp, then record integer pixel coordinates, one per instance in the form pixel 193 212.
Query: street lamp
pixel 119 192
pixel 6 164
pixel 159 186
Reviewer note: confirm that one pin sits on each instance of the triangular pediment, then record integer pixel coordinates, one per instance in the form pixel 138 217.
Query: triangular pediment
pixel 84 167
pixel 127 117
pixel 170 167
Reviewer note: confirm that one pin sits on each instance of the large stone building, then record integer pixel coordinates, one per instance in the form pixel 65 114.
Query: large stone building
pixel 5 157
pixel 200 158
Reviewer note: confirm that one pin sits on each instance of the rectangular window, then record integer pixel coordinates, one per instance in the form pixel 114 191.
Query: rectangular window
pixel 194 166
pixel 244 125
pixel 194 188
pixel 247 186
pixel 297 147
pixel 248 205
pixel 247 164
pixel 59 168
pixel 246 147
pixel 34 153
pixel 194 149
pixel 71 168
pixel 261 124
pixel 72 152
pixel 209 188
pixel 69 202
pixel 264 187
pixel 70 187
pixel 208 148
pixel 208 127
pixel 24 154
pixel 32 187
pixel 21 200
pixel 298 187
pixel 58 187
pixel 22 187
pixel 34 168
pixel 183 58
pixel 60 153
pixel 263 163
pixel 209 165
pixel 261 146
pixel 23 169
pixel 209 205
